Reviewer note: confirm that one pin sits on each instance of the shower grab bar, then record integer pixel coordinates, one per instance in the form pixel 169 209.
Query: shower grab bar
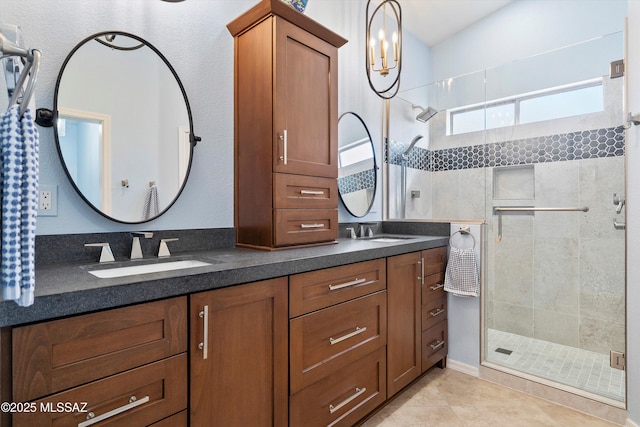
pixel 498 210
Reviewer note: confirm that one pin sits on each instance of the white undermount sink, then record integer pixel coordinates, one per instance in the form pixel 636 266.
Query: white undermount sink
pixel 387 239
pixel 131 270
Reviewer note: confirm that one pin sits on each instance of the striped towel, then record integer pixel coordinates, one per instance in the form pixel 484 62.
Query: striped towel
pixel 19 200
pixel 462 277
pixel 151 206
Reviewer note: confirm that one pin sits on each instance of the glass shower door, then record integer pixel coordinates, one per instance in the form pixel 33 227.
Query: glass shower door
pixel 555 265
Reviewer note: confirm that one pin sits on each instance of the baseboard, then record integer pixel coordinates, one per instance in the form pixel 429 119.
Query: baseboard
pixel 463 367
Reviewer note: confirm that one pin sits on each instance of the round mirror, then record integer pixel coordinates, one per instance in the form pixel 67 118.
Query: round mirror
pixel 357 170
pixel 124 130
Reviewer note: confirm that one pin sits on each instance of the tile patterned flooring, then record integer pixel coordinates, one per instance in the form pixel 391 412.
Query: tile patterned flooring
pixel 571 366
pixel 448 398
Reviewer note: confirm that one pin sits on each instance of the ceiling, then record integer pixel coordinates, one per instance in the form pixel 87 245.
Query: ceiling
pixel 433 21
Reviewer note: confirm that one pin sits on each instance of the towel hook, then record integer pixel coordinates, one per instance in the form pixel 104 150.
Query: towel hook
pixel 463 231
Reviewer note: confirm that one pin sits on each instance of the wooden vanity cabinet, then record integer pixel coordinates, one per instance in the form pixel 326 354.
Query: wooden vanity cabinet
pixel 128 365
pixel 238 355
pixel 338 333
pixel 434 309
pixel 286 114
pixel 404 362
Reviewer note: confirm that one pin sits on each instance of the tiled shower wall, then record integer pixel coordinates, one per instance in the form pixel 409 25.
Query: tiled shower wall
pixel 557 276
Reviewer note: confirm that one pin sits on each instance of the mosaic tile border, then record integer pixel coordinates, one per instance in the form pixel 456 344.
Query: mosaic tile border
pixel 357 181
pixel 588 144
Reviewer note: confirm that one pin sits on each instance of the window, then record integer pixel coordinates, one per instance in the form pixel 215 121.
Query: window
pixel 554 103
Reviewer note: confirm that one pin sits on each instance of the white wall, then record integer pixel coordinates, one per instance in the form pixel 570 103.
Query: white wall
pixel 633 216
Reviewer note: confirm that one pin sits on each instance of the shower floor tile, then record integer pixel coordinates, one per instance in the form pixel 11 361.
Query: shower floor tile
pixel 574 367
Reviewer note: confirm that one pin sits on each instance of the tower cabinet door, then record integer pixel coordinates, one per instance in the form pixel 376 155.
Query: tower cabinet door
pixel 239 355
pixel 305 103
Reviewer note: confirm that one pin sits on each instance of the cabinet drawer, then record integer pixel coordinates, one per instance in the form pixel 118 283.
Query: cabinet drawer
pixel 435 260
pixel 299 226
pixel 177 420
pixel 160 390
pixel 344 397
pixel 434 345
pixel 434 312
pixel 329 339
pixel 304 192
pixel 60 354
pixel 322 288
pixel 433 287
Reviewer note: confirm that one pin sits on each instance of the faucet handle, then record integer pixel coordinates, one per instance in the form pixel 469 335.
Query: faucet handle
pixel 163 250
pixel 352 232
pixel 105 254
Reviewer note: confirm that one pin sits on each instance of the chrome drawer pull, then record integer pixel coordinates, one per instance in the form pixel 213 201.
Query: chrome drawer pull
pixel 204 345
pixel 436 287
pixel 437 312
pixel 358 392
pixel 358 331
pixel 347 284
pixel 437 345
pixel 133 402
pixel 421 277
pixel 311 225
pixel 312 193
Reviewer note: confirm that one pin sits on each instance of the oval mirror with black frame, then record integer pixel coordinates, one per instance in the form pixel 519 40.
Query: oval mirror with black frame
pixel 357 170
pixel 124 130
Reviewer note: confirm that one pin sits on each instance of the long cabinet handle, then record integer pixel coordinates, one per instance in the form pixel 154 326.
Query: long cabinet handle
pixel 133 403
pixel 347 284
pixel 358 392
pixel 437 345
pixel 204 345
pixel 312 192
pixel 317 225
pixel 358 331
pixel 437 312
pixel 421 277
pixel 436 287
pixel 283 138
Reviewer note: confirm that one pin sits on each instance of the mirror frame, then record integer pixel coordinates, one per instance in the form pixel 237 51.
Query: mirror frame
pixel 193 139
pixel 375 165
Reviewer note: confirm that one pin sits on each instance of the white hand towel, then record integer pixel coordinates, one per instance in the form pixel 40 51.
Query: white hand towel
pixel 462 277
pixel 19 182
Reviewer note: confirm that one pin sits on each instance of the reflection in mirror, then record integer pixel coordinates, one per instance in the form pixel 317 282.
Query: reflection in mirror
pixel 357 169
pixel 124 128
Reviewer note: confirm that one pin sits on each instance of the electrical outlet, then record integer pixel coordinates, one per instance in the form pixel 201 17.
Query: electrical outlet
pixel 48 200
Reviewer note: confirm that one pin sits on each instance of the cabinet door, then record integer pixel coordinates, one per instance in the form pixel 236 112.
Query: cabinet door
pixel 404 318
pixel 306 103
pixel 239 368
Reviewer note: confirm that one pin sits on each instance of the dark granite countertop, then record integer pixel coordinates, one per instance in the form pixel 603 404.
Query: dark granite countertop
pixel 67 288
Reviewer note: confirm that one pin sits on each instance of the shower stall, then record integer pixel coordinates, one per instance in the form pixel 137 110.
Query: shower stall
pixel 535 150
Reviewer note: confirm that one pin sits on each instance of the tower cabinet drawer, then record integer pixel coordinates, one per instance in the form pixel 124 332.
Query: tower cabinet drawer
pixel 138 397
pixel 433 312
pixel 300 226
pixel 434 345
pixel 60 354
pixel 344 397
pixel 304 192
pixel 323 288
pixel 433 287
pixel 329 339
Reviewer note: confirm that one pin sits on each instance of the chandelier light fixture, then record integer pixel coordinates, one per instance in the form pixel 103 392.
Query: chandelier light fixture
pixel 384 51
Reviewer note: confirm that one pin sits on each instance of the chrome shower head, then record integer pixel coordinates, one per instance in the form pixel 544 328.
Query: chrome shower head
pixel 425 114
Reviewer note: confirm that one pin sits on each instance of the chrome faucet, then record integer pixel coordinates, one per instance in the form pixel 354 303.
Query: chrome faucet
pixel 136 249
pixel 352 232
pixel 105 253
pixel 163 250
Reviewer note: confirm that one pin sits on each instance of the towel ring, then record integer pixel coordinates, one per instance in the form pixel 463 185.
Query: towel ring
pixel 464 231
